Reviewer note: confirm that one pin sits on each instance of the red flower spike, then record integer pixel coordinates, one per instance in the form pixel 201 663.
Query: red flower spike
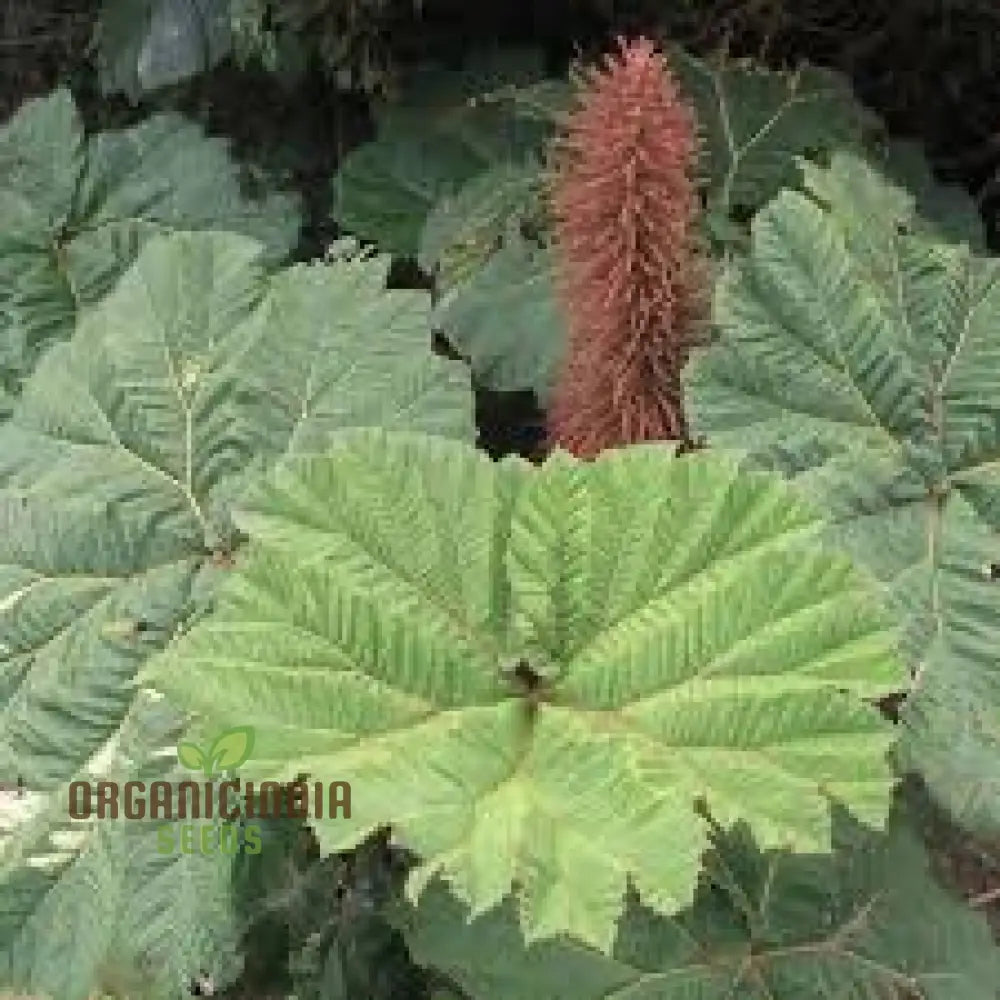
pixel 630 269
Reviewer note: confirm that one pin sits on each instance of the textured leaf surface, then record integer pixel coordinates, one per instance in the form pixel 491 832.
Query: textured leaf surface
pixel 131 440
pixel 863 360
pixel 868 922
pixel 506 320
pixel 91 905
pixel 755 122
pixel 74 213
pixel 427 147
pixel 690 637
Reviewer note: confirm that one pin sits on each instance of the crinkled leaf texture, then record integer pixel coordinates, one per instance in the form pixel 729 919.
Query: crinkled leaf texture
pixel 868 921
pixel 92 907
pixel 75 211
pixel 122 458
pixel 690 637
pixel 859 355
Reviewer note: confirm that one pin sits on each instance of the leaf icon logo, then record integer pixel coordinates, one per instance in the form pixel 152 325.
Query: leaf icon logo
pixel 231 749
pixel 191 756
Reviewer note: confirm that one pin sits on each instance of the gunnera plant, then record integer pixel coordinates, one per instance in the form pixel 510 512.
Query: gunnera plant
pixel 631 272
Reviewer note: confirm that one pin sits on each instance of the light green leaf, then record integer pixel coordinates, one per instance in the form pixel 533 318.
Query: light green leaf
pixel 858 355
pixel 92 906
pixel 74 214
pixel 191 756
pixel 690 636
pixel 124 454
pixel 131 441
pixel 232 748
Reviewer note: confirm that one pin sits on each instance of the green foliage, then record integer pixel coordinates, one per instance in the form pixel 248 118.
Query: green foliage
pixel 430 142
pixel 498 307
pixel 464 230
pixel 756 122
pixel 76 211
pixel 690 640
pixel 142 46
pixel 91 906
pixel 118 467
pixel 346 38
pixel 762 926
pixel 618 712
pixel 505 318
pixel 945 209
pixel 321 925
pixel 858 354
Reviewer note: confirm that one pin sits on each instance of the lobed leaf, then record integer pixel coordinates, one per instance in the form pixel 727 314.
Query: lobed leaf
pixel 867 921
pixel 688 638
pixel 93 905
pixel 755 123
pixel 121 461
pixel 74 213
pixel 857 354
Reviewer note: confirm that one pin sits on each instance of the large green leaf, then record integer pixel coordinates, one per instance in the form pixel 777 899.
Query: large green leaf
pixel 427 147
pixel 868 922
pixel 506 320
pixel 755 123
pixel 74 213
pixel 860 356
pixel 132 439
pixel 687 635
pixel 93 906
